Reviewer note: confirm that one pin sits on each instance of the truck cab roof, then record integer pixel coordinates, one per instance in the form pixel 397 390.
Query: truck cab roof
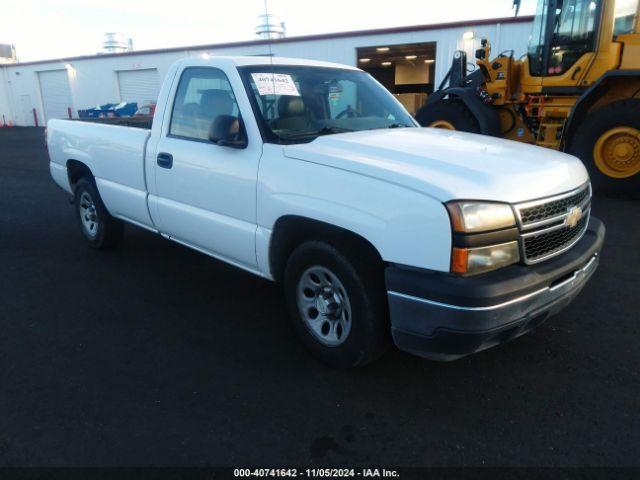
pixel 242 61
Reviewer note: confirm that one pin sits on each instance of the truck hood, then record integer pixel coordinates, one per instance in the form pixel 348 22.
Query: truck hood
pixel 448 165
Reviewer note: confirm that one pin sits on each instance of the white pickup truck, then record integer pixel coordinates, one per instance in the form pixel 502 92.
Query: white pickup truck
pixel 313 175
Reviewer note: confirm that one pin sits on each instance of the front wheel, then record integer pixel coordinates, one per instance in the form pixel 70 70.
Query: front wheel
pixel 337 305
pixel 99 228
pixel 608 143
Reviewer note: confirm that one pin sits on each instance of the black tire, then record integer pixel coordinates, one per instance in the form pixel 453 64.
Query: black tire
pixel 107 231
pixel 452 111
pixel 363 283
pixel 625 113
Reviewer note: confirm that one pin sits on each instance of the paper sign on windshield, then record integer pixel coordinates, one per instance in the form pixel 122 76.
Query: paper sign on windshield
pixel 275 84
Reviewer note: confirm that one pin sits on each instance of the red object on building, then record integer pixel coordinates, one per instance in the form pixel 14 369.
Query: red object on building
pixel 35 117
pixel 69 113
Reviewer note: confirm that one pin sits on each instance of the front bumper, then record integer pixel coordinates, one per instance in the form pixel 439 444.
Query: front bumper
pixel 443 317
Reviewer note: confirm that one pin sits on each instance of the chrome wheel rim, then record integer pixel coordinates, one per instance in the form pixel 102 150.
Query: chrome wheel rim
pixel 324 306
pixel 88 215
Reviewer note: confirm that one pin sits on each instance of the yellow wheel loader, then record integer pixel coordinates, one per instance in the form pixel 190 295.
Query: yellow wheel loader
pixel 577 89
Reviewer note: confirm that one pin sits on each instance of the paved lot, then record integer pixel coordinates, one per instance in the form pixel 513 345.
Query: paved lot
pixel 157 355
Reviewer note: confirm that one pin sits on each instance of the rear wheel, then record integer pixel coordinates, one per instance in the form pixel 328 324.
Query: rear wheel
pixel 337 305
pixel 608 142
pixel 448 114
pixel 99 228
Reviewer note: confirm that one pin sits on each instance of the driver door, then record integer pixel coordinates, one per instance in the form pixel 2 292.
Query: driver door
pixel 206 192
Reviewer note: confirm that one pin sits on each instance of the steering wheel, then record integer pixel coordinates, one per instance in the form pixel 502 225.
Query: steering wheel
pixel 348 112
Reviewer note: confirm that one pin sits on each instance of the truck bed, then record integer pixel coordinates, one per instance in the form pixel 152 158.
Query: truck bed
pixel 144 122
pixel 115 155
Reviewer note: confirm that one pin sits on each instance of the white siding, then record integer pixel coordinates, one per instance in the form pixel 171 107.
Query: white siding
pixel 95 80
pixel 56 93
pixel 25 111
pixel 5 106
pixel 141 86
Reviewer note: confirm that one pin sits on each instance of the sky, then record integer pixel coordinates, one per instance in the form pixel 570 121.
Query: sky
pixel 43 29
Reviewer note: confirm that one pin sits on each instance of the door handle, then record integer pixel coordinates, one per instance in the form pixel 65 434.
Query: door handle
pixel 165 160
pixel 575 72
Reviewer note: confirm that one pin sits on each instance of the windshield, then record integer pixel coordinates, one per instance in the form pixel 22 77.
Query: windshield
pixel 573 34
pixel 297 104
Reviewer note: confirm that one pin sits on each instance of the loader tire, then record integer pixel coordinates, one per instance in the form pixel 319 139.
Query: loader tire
pixel 608 143
pixel 448 114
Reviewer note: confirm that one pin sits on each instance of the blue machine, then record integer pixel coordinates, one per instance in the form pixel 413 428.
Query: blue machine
pixel 124 109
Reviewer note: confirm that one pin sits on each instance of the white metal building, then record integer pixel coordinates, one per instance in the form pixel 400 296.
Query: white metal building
pixel 407 60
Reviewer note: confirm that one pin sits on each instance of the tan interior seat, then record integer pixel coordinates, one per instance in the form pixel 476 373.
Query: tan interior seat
pixel 291 114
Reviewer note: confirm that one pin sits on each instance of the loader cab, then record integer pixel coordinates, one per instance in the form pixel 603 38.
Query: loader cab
pixel 564 38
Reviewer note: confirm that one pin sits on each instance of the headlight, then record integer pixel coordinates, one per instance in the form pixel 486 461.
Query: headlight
pixel 485 237
pixel 475 217
pixel 471 261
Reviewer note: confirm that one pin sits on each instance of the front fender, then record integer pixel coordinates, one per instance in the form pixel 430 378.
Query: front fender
pixel 405 227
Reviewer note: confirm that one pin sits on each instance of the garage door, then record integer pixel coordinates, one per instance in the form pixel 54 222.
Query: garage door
pixel 56 93
pixel 141 86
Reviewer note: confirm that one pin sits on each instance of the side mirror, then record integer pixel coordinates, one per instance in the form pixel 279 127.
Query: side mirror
pixel 484 52
pixel 228 131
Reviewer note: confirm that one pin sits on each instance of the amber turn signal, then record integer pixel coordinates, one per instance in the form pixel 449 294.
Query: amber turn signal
pixel 459 260
pixel 471 261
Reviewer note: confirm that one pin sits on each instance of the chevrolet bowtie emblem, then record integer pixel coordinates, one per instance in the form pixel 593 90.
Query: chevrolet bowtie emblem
pixel 574 216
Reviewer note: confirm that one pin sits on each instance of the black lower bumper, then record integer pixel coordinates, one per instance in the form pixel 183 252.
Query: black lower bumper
pixel 444 317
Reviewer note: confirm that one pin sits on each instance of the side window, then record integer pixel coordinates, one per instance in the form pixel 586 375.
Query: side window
pixel 536 39
pixel 202 95
pixel 625 17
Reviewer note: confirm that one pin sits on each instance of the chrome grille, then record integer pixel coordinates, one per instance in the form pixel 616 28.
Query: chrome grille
pixel 552 209
pixel 545 245
pixel 548 226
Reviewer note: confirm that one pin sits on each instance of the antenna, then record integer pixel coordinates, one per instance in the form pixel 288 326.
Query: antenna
pixel 266 13
pixel 273 80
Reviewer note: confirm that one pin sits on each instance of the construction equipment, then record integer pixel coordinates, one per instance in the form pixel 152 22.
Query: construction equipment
pixel 576 90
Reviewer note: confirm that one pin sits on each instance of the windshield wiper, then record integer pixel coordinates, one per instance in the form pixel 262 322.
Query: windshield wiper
pixel 393 125
pixel 331 130
pixel 318 133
